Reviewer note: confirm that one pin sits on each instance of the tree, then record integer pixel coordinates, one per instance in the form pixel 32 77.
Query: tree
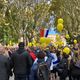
pixel 21 18
pixel 69 10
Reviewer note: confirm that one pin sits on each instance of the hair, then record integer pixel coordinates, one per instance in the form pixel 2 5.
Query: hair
pixel 41 55
pixel 21 45
pixel 2 50
pixel 52 49
pixel 65 55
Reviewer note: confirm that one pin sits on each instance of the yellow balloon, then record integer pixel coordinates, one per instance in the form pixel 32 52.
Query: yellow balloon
pixel 37 44
pixel 48 40
pixel 66 50
pixel 45 40
pixel 60 20
pixel 43 45
pixel 42 40
pixel 30 44
pixel 75 41
pixel 34 41
pixel 57 37
pixel 61 43
pixel 67 36
pixel 33 44
pixel 60 27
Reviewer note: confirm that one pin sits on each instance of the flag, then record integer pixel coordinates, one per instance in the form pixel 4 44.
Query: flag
pixel 41 32
pixel 44 32
pixel 47 32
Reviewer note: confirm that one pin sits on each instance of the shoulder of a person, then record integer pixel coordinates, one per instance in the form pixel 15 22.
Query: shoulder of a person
pixel 53 54
pixel 26 52
pixel 14 53
pixel 4 57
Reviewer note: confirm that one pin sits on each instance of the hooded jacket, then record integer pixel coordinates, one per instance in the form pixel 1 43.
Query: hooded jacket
pixel 21 62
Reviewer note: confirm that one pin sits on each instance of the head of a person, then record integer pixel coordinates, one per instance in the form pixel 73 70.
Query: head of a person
pixel 21 45
pixel 40 54
pixel 2 50
pixel 52 49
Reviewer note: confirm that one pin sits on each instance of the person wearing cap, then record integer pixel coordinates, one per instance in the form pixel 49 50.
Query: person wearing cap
pixel 21 63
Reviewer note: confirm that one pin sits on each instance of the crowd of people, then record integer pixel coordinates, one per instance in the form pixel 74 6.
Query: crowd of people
pixel 37 63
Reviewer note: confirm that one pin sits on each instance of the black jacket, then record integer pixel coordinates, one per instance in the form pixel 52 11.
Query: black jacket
pixel 21 62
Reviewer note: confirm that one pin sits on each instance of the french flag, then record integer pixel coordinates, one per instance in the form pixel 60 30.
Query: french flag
pixel 44 32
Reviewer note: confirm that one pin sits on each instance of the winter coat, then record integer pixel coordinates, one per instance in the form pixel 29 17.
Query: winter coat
pixel 21 62
pixel 4 67
pixel 75 68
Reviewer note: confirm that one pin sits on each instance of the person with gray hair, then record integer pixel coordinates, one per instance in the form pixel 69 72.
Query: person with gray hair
pixel 4 64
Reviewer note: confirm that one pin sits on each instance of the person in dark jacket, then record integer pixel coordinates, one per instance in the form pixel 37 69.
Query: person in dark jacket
pixel 62 67
pixel 4 65
pixel 21 63
pixel 75 69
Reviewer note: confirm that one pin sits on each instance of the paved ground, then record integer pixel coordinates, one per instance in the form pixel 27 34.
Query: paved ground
pixel 12 78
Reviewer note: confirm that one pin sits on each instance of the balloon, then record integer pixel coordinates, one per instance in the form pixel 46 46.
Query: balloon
pixel 45 40
pixel 61 43
pixel 60 20
pixel 66 50
pixel 43 45
pixel 75 41
pixel 60 27
pixel 37 44
pixel 67 36
pixel 33 44
pixel 34 41
pixel 57 37
pixel 42 40
pixel 48 40
pixel 30 44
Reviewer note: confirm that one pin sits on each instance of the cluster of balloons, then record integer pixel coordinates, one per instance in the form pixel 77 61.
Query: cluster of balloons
pixel 33 43
pixel 60 25
pixel 43 42
pixel 68 37
pixel 59 41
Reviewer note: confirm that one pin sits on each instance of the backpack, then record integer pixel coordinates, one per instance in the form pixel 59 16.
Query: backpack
pixel 62 67
pixel 75 69
pixel 43 72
